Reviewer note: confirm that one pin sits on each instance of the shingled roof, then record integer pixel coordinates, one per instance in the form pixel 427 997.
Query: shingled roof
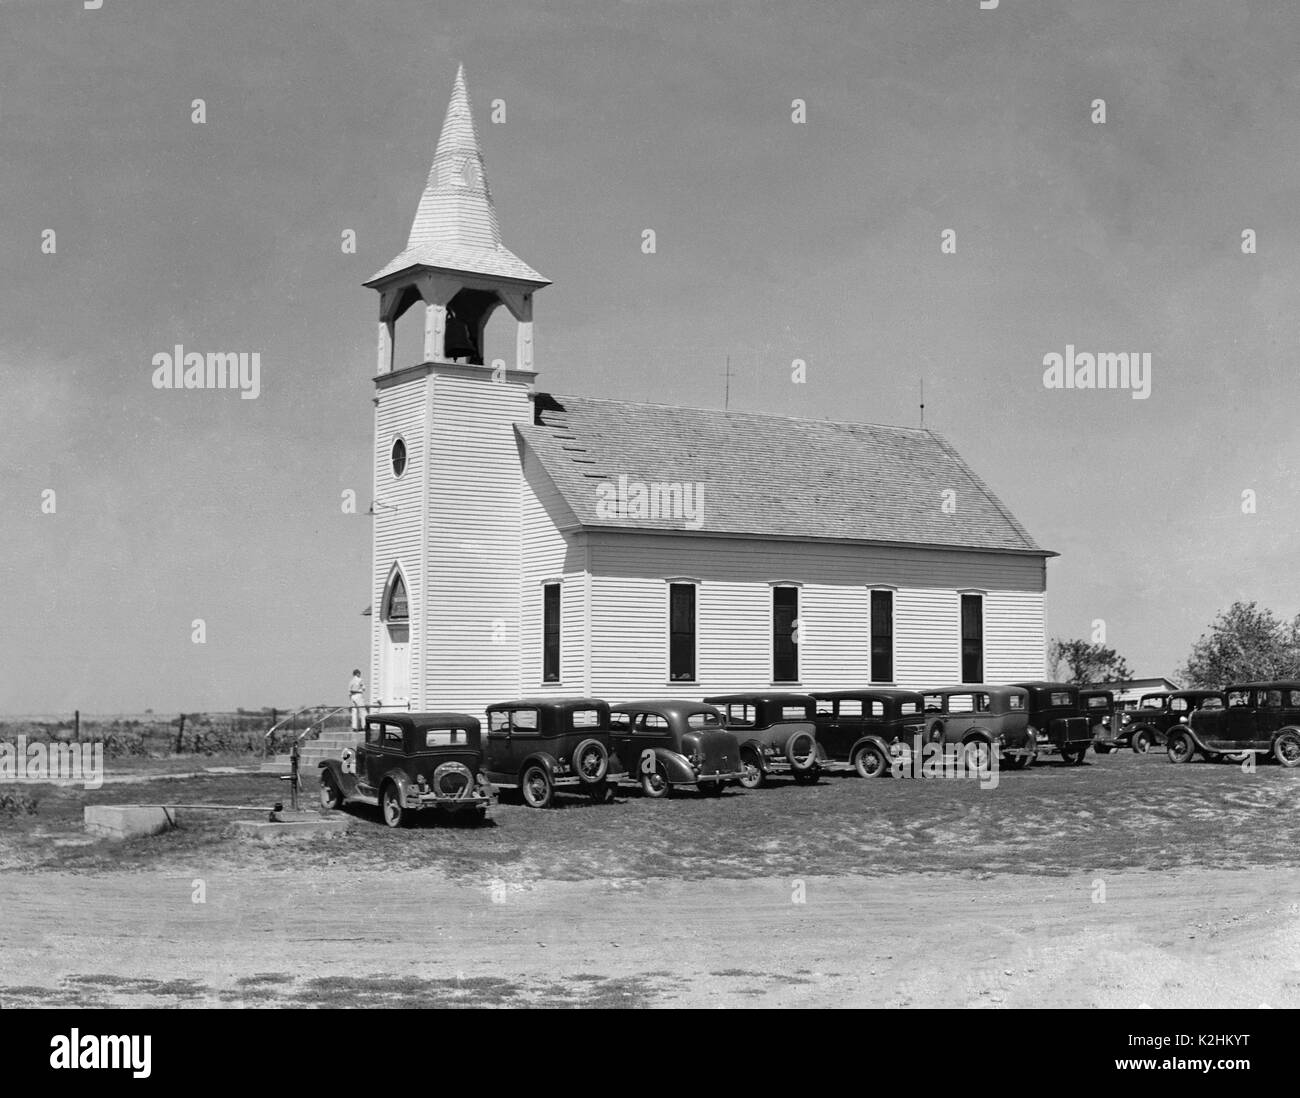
pixel 455 226
pixel 771 476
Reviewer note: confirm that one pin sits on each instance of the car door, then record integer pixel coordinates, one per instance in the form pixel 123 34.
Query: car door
pixel 620 741
pixel 650 732
pixel 369 756
pixel 1268 717
pixel 1238 724
pixel 500 754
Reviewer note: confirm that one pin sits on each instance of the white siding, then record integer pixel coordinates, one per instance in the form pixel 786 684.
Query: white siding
pixel 549 554
pixel 474 565
pixel 398 519
pixel 629 612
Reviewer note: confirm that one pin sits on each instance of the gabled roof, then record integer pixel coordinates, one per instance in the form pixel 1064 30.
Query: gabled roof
pixel 455 225
pixel 769 476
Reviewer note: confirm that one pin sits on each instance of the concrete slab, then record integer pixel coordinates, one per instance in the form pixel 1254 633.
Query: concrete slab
pixel 293 827
pixel 127 821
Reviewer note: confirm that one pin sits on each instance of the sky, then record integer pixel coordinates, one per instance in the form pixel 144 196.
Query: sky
pixel 775 241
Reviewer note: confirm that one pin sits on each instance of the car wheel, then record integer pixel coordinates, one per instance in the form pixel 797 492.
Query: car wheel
pixel 536 786
pixel 591 761
pixel 1180 747
pixel 390 804
pixel 869 761
pixel 655 782
pixel 330 796
pixel 977 754
pixel 1141 742
pixel 801 751
pixel 752 776
pixel 1286 749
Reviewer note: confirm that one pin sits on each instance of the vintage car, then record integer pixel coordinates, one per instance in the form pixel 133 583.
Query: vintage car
pixel 981 715
pixel 409 762
pixel 539 745
pixel 1148 725
pixel 1257 718
pixel 1057 719
pixel 865 729
pixel 776 731
pixel 667 744
pixel 1099 708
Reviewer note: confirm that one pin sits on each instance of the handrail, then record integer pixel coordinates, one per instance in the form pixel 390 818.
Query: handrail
pixel 322 713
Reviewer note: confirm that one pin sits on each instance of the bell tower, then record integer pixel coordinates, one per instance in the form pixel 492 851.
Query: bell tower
pixel 454 263
pixel 448 487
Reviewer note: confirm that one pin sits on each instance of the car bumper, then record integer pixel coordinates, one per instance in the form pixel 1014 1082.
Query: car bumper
pixel 477 799
pixel 720 776
pixel 568 781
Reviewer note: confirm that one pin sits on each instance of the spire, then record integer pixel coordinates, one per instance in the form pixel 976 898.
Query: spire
pixel 455 225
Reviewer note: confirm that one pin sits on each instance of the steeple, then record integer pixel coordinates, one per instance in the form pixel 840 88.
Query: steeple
pixel 454 259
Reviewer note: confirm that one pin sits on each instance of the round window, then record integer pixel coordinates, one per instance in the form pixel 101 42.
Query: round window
pixel 399 457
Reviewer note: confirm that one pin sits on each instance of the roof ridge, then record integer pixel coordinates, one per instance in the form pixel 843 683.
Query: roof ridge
pixel 739 412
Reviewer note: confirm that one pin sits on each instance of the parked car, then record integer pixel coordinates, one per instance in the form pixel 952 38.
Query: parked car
pixel 1099 708
pixel 1057 719
pixel 865 729
pixel 1148 725
pixel 539 745
pixel 980 713
pixel 776 731
pixel 1257 718
pixel 408 763
pixel 667 744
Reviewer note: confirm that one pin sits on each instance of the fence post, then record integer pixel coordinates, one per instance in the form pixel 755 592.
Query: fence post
pixel 180 732
pixel 76 725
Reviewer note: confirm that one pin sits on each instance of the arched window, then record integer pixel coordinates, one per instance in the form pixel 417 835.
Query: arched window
pixel 395 605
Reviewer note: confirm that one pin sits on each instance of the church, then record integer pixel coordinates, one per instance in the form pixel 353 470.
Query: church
pixel 532 543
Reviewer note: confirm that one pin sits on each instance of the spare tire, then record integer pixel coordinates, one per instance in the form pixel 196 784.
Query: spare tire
pixel 801 752
pixel 590 761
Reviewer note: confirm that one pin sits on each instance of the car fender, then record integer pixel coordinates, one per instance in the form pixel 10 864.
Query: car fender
pixel 758 748
pixel 540 758
pixel 347 783
pixel 677 769
pixel 398 777
pixel 1272 741
pixel 975 734
pixel 875 741
pixel 1197 742
pixel 1134 729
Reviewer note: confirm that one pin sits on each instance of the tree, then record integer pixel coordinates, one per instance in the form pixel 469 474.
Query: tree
pixel 1086 663
pixel 1246 643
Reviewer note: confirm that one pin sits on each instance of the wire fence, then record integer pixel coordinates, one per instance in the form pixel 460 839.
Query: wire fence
pixel 241 731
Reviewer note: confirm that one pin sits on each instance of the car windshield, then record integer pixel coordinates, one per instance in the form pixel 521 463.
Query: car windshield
pixel 908 709
pixel 1015 701
pixel 703 719
pixel 1061 697
pixel 793 712
pixel 1153 701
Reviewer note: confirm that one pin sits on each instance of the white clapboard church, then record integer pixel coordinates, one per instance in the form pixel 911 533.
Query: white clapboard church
pixel 528 542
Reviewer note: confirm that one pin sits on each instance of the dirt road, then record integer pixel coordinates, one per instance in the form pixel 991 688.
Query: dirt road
pixel 1177 938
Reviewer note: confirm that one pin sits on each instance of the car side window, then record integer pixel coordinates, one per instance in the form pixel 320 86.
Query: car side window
pixel 934 703
pixel 703 720
pixel 1213 703
pixel 374 734
pixel 1016 701
pixel 1060 697
pixel 443 737
pixel 650 724
pixel 620 722
pixel 907 709
pixel 793 712
pixel 1271 698
pixel 1238 699
pixel 740 714
pixel 499 720
pixel 1178 705
pixel 825 707
pixel 850 707
pixel 393 738
pixel 524 722
pixel 875 709
pixel 1294 699
pixel 585 718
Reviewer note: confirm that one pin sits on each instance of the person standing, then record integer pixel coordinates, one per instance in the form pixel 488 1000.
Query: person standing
pixel 357 696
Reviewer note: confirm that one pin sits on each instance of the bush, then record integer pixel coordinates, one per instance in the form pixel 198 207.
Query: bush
pixel 17 803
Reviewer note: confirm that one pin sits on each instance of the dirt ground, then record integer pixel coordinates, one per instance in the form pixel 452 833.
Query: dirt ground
pixel 1120 883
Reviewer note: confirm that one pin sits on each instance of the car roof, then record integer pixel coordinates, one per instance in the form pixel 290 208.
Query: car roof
pixel 1279 684
pixel 566 702
pixel 978 688
pixel 409 721
pixel 890 693
pixel 778 697
pixel 1042 684
pixel 665 707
